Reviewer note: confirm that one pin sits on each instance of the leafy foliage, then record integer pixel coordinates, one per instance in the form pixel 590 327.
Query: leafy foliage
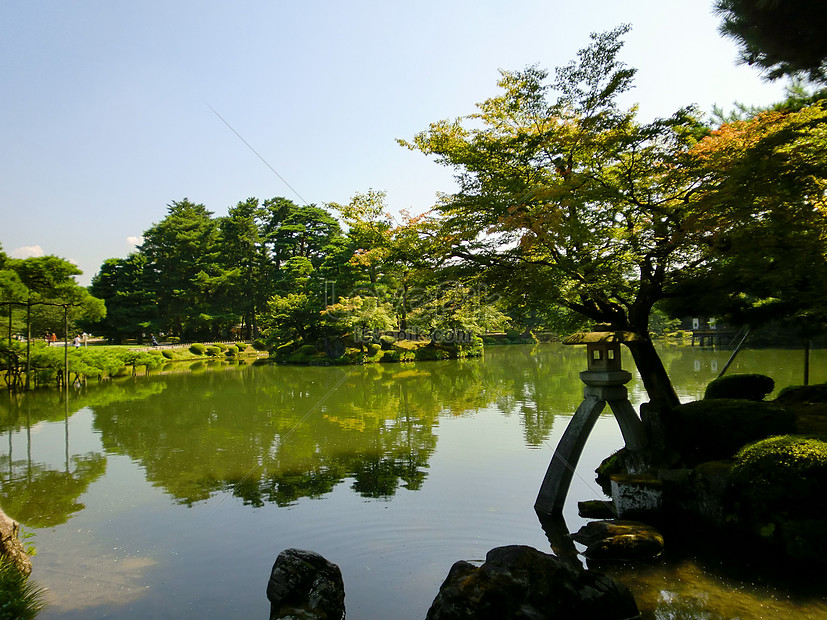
pixel 20 597
pixel 780 37
pixel 564 192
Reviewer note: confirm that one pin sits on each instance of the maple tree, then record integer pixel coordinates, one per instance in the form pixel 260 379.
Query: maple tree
pixel 605 214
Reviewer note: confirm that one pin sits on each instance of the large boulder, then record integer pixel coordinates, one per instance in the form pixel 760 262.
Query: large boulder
pixel 522 582
pixel 304 585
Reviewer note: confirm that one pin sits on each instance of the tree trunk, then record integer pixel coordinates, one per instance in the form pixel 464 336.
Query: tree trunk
pixel 655 379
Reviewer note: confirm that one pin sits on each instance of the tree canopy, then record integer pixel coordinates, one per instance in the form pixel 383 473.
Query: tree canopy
pixel 606 214
pixel 781 37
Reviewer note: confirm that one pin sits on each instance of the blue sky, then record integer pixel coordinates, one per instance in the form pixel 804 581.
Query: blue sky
pixel 106 106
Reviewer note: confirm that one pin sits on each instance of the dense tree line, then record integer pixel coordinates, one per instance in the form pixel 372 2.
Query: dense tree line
pixel 40 297
pixel 281 271
pixel 196 276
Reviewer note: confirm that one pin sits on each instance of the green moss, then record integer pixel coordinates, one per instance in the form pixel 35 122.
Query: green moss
pixel 783 475
pixel 777 491
pixel 741 386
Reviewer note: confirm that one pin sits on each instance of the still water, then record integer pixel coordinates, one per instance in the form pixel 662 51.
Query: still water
pixel 170 495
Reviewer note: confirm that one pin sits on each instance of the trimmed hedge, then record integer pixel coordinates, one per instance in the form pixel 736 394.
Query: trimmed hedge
pixel 777 491
pixel 711 430
pixel 213 350
pixel 744 386
pixel 198 348
pixel 168 353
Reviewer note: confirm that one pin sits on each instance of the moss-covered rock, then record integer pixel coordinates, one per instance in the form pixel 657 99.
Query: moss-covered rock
pixel 784 475
pixel 619 540
pixel 777 491
pixel 711 430
pixel 741 386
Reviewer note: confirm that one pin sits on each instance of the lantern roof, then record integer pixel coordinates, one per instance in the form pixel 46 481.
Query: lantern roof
pixel 601 336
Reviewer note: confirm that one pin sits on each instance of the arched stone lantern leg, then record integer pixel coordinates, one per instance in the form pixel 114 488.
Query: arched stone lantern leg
pixel 605 382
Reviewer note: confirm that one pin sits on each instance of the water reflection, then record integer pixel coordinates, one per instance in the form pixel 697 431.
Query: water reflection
pixel 279 434
pixel 37 493
pixel 270 437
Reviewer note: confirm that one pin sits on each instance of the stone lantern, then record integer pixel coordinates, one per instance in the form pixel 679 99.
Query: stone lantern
pixel 605 382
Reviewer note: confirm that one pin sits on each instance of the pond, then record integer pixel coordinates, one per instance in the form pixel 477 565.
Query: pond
pixel 170 495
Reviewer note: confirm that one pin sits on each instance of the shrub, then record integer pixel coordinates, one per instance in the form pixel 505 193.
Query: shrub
pixel 222 347
pixel 430 353
pixel 777 490
pixel 173 340
pixel 803 394
pixel 259 345
pixel 168 353
pixel 20 598
pixel 374 348
pixel 231 351
pixel 213 350
pixel 198 348
pixel 745 386
pixel 307 349
pixel 387 342
pixel 711 430
pixel 241 346
pixel 512 334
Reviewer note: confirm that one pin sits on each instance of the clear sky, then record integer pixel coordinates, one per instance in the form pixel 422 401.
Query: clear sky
pixel 106 106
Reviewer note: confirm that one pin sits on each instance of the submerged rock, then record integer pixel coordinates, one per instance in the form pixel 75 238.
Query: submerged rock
pixel 522 582
pixel 304 585
pixel 620 540
pixel 597 509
